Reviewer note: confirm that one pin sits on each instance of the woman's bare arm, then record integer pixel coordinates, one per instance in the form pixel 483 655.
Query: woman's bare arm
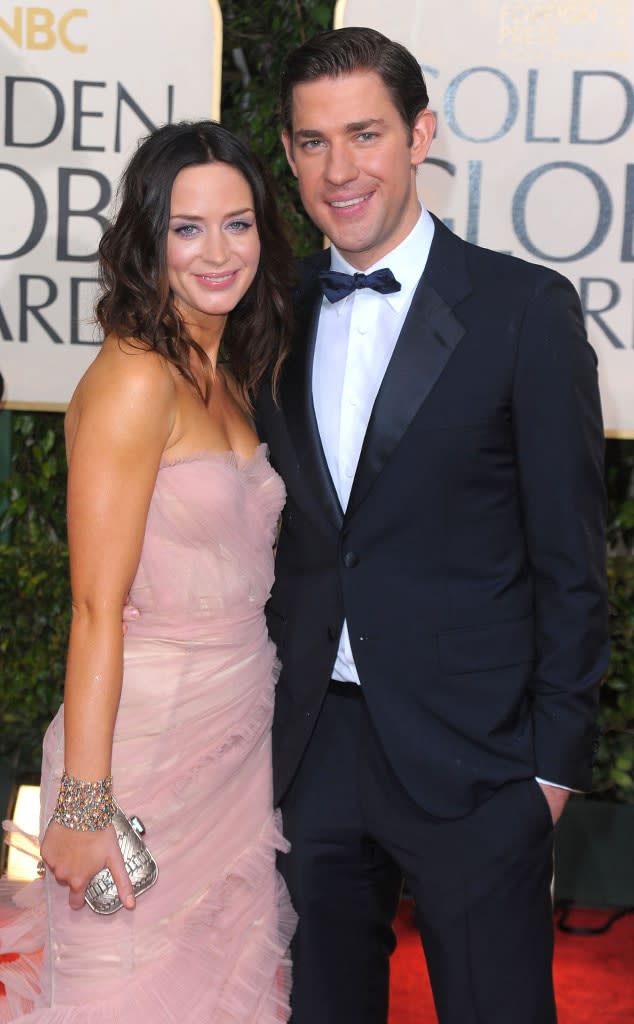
pixel 117 429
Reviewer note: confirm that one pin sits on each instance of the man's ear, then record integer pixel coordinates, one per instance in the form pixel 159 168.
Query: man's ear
pixel 423 132
pixel 288 149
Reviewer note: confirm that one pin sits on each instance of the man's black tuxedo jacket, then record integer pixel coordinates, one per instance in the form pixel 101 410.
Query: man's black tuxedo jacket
pixel 470 562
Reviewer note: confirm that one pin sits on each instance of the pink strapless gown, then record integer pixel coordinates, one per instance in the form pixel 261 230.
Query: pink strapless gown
pixel 192 757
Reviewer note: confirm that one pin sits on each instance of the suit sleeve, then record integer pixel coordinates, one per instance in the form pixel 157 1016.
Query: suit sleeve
pixel 560 444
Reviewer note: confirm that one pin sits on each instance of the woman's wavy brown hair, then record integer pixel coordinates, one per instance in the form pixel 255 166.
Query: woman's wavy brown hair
pixel 136 300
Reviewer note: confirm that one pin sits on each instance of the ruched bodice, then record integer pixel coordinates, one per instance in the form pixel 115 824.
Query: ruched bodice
pixel 207 554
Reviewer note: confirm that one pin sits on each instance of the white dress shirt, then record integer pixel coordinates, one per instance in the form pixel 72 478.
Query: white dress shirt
pixel 355 341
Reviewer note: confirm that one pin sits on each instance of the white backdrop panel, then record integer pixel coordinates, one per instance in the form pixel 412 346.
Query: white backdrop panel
pixel 79 87
pixel 534 151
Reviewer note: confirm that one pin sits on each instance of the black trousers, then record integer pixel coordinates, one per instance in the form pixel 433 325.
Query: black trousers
pixel 481 886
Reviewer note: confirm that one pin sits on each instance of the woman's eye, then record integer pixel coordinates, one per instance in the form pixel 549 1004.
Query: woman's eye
pixel 186 230
pixel 239 225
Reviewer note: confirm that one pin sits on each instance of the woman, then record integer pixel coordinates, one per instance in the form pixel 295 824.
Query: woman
pixel 171 499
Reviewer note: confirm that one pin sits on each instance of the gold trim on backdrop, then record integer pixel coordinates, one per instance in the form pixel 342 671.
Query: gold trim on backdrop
pixel 612 435
pixel 339 15
pixel 216 88
pixel 33 406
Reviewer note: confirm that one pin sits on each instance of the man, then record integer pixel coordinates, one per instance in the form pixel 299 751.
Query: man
pixel 440 601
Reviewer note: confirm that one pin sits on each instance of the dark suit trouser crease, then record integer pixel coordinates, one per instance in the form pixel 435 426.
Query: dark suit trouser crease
pixel 481 886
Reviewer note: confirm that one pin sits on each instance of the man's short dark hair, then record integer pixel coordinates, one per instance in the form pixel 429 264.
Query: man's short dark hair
pixel 345 50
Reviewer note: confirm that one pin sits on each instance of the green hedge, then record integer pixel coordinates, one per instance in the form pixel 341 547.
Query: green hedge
pixel 614 764
pixel 34 620
pixel 34 587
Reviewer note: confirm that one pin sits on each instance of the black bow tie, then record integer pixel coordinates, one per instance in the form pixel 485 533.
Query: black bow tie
pixel 336 286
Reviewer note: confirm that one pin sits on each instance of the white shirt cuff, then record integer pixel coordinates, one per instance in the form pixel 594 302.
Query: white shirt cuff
pixel 557 785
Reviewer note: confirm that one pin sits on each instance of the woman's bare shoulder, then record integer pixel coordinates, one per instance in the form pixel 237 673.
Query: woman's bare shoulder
pixel 125 364
pixel 125 376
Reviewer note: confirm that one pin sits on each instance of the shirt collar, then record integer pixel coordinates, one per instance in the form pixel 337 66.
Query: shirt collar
pixel 407 261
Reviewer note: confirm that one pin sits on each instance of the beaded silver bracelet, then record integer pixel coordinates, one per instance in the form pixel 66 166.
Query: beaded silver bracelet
pixel 84 806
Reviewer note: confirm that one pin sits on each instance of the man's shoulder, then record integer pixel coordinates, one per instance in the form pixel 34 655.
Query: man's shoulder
pixel 484 264
pixel 309 266
pixel 315 260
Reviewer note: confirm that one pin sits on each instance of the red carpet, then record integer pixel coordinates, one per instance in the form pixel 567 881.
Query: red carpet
pixel 594 974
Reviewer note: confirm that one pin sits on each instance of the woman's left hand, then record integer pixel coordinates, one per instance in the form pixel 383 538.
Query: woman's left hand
pixel 74 857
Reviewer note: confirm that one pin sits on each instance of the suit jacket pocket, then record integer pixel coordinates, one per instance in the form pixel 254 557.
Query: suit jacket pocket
pixel 487 647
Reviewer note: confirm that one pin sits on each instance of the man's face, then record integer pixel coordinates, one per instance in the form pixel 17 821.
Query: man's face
pixel 356 168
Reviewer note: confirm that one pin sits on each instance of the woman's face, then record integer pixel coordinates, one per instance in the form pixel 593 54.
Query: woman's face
pixel 213 246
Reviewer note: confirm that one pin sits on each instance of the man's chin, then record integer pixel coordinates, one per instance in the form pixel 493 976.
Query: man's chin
pixel 348 243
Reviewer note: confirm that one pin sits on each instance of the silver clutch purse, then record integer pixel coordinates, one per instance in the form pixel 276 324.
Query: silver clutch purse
pixel 101 894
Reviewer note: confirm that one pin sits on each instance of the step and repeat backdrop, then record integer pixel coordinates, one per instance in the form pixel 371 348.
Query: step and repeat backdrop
pixel 534 153
pixel 79 87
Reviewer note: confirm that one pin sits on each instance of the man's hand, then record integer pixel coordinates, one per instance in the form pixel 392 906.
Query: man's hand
pixel 555 798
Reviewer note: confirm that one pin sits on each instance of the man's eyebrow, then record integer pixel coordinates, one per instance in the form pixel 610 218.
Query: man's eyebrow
pixel 362 126
pixel 349 129
pixel 308 133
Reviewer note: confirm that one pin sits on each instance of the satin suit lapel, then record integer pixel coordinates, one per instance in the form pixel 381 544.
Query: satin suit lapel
pixel 427 340
pixel 297 400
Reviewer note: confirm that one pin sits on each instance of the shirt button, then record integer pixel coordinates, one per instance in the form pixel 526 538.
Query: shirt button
pixel 362 329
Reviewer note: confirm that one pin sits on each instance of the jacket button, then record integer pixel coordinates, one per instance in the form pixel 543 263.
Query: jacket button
pixel 350 559
pixel 332 634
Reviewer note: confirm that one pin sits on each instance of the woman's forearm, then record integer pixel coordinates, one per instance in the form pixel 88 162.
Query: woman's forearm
pixel 92 690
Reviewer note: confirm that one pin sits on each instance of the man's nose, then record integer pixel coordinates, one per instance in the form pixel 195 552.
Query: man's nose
pixel 340 166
